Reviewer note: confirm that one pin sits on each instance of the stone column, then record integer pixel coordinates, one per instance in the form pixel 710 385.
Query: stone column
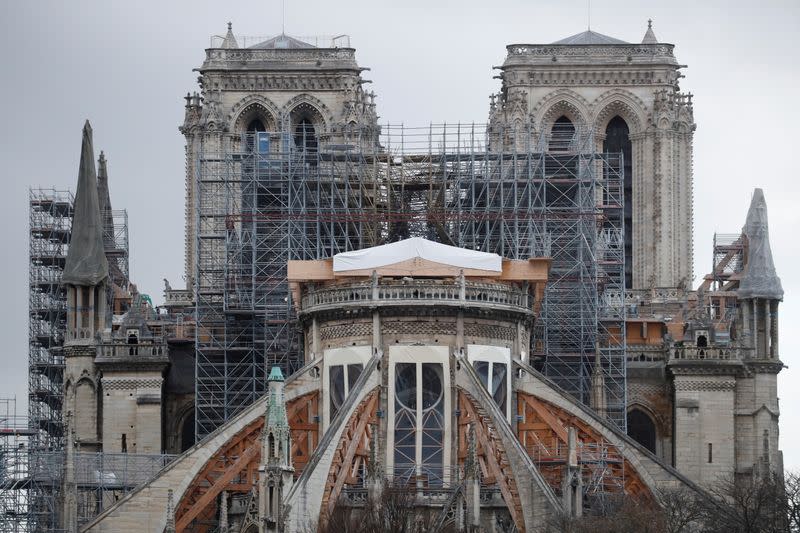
pixel 767 330
pixel 572 484
pixel 774 308
pixel 101 307
pixel 315 339
pixel 754 303
pixel 223 512
pixel 78 311
pixel 90 311
pixel 472 484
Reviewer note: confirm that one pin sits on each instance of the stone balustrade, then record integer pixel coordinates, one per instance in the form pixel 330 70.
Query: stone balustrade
pixel 713 353
pixel 645 353
pixel 418 292
pixel 155 347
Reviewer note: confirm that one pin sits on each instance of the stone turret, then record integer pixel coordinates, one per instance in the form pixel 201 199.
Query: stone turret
pixel 85 277
pixel 276 471
pixel 760 292
pixel 86 280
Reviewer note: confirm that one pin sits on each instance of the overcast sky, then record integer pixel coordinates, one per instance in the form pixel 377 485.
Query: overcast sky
pixel 126 66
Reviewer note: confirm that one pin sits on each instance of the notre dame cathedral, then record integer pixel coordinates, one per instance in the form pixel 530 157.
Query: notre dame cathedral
pixel 499 321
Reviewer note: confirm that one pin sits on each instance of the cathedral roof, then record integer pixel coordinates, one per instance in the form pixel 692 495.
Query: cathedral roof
pixel 590 37
pixel 759 279
pixel 283 41
pixel 86 262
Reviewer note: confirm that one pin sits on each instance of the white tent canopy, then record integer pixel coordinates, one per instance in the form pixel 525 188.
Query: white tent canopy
pixel 397 252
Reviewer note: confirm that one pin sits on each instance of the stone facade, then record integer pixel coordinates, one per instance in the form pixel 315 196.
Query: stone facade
pixel 701 365
pixel 592 85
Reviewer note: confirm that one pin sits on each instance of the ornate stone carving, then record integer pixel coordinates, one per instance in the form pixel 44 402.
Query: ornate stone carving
pixel 131 383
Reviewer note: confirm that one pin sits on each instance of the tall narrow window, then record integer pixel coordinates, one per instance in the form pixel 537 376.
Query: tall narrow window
pixel 305 136
pixel 491 363
pixel 432 414
pixel 710 453
pixel 341 380
pixel 562 135
pixel 405 418
pixel 617 142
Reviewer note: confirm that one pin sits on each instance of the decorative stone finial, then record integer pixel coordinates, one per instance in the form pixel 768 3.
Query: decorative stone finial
pixel 230 26
pixel 649 36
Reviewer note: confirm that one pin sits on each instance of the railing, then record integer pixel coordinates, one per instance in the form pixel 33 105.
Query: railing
pixel 178 297
pixel 313 41
pixel 645 353
pixel 695 353
pixel 636 51
pixel 155 347
pixel 74 334
pixel 658 294
pixel 390 292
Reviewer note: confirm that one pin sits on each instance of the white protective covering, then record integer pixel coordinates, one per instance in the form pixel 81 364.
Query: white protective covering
pixel 397 252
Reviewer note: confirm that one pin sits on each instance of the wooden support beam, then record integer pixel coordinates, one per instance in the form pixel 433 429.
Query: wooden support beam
pixel 218 486
pixel 356 436
pixel 494 458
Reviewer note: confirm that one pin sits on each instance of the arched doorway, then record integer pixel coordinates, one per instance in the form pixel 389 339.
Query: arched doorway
pixel 642 429
pixel 187 431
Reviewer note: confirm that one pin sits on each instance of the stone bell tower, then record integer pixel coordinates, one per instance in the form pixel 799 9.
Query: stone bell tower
pixel 760 292
pixel 311 93
pixel 591 92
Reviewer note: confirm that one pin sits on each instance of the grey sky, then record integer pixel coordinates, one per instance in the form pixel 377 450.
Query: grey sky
pixel 126 65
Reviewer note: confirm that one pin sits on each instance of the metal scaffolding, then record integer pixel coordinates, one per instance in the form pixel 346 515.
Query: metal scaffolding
pixel 266 198
pixel 50 225
pixel 115 243
pixel 38 464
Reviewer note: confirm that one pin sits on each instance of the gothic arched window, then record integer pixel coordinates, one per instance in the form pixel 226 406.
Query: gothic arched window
pixel 618 142
pixel 305 135
pixel 562 135
pixel 642 429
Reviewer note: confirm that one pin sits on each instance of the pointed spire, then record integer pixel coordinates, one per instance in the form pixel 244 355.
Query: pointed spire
pixel 760 279
pixel 649 36
pixel 230 39
pixel 86 262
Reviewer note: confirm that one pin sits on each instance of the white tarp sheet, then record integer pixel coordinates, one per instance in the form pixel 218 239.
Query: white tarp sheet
pixel 396 252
